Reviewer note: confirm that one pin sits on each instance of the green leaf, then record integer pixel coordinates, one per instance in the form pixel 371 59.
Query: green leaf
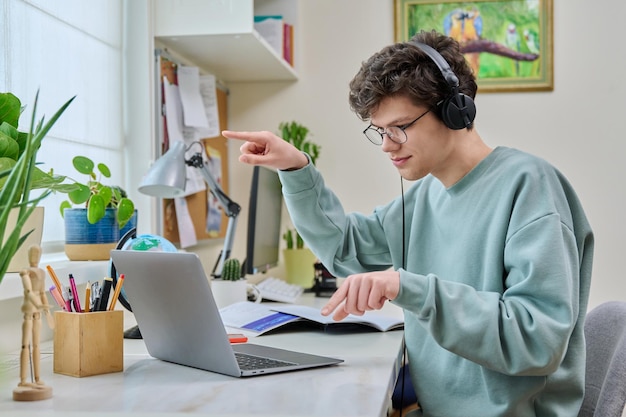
pixel 80 195
pixel 65 205
pixel 64 188
pixel 104 170
pixel 10 109
pixel 95 209
pixel 9 148
pixel 125 210
pixel 83 165
pixel 106 193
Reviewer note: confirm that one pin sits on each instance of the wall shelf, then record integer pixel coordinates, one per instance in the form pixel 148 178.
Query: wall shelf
pixel 220 37
pixel 232 57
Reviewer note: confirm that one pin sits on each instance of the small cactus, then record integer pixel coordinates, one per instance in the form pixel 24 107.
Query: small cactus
pixel 231 270
pixel 288 236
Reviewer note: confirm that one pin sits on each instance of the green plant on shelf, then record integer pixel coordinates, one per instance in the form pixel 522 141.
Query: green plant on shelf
pixel 96 196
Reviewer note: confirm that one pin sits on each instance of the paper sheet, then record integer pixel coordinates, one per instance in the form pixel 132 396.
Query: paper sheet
pixel 173 111
pixel 192 105
pixel 209 100
pixel 186 230
pixel 178 133
pixel 214 213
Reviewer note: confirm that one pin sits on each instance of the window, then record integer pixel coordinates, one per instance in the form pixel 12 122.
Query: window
pixel 63 49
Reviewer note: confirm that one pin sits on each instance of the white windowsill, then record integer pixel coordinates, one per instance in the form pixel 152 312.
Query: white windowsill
pixel 83 271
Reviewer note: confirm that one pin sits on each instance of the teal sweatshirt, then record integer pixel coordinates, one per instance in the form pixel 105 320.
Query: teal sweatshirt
pixel 494 287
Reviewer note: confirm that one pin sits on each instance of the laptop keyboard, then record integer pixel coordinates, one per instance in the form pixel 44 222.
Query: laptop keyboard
pixel 250 362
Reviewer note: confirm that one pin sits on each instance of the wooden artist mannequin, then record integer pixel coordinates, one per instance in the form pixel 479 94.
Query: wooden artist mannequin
pixel 35 301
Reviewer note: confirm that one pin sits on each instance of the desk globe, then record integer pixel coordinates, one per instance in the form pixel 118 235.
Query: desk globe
pixel 146 242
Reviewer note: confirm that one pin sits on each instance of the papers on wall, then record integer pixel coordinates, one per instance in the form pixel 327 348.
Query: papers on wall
pixel 176 133
pixel 186 231
pixel 214 215
pixel 189 90
pixel 173 111
pixel 192 114
pixel 208 92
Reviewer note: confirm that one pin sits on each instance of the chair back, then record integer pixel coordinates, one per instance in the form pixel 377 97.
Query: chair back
pixel 605 379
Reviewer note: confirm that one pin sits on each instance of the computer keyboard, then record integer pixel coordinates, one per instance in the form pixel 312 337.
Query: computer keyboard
pixel 275 289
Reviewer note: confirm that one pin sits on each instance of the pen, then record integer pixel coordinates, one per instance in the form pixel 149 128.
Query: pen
pixel 95 295
pixel 118 289
pixel 56 294
pixel 104 297
pixel 54 277
pixel 75 294
pixel 87 297
pixel 70 299
pixel 65 293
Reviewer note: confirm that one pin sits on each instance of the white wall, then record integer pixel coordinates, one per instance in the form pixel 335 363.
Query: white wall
pixel 574 127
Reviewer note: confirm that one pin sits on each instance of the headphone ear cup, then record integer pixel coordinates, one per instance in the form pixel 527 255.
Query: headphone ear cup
pixel 458 111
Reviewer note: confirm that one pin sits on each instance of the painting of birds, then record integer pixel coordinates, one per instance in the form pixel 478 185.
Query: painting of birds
pixel 465 26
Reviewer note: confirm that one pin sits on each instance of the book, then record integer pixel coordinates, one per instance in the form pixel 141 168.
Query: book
pixel 271 29
pixel 288 43
pixel 262 318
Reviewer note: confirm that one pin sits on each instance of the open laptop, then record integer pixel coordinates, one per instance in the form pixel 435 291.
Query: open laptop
pixel 172 301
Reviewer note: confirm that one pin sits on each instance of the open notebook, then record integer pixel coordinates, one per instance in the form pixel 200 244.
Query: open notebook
pixel 180 322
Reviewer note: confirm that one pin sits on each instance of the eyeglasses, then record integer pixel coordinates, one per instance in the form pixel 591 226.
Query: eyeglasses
pixel 395 133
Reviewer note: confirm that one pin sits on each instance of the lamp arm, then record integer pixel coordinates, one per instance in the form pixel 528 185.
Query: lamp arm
pixel 231 209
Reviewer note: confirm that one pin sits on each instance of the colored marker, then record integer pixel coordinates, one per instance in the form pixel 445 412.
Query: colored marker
pixel 56 294
pixel 75 295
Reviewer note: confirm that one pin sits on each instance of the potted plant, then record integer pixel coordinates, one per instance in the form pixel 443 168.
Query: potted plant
pixel 231 287
pixel 19 174
pixel 105 215
pixel 299 261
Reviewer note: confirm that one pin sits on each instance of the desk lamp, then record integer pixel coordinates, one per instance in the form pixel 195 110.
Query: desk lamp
pixel 166 179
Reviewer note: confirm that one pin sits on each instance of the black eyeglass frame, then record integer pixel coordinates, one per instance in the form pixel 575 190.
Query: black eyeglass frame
pixel 385 131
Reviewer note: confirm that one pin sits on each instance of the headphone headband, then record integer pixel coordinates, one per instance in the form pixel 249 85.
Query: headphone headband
pixel 457 110
pixel 440 61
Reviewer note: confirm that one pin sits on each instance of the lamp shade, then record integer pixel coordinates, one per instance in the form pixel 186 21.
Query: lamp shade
pixel 167 176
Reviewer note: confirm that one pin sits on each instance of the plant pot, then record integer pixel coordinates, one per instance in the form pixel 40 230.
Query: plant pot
pixel 35 223
pixel 226 293
pixel 92 242
pixel 299 266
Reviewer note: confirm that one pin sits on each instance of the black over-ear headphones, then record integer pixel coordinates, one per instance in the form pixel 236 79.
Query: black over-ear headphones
pixel 457 110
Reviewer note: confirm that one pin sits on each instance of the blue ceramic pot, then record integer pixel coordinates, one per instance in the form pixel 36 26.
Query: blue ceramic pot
pixel 92 242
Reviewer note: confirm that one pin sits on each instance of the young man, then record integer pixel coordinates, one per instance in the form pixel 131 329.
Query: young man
pixel 489 252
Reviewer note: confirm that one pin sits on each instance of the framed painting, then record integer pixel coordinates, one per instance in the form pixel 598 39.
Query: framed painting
pixel 508 43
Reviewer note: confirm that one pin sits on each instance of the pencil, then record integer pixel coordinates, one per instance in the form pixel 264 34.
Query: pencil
pixel 87 297
pixel 116 294
pixel 54 277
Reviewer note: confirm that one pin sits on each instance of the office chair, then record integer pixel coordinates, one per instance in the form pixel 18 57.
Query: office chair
pixel 605 380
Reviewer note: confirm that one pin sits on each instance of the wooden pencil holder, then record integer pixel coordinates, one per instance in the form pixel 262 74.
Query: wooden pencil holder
pixel 88 344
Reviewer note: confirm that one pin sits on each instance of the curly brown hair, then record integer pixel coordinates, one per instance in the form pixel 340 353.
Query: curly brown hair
pixel 402 69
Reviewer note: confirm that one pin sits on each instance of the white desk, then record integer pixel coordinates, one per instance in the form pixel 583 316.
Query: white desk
pixel 361 386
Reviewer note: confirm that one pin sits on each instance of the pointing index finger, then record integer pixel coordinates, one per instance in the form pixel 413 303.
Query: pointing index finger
pixel 337 298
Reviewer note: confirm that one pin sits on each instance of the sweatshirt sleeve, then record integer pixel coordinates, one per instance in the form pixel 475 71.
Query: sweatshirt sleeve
pixel 346 244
